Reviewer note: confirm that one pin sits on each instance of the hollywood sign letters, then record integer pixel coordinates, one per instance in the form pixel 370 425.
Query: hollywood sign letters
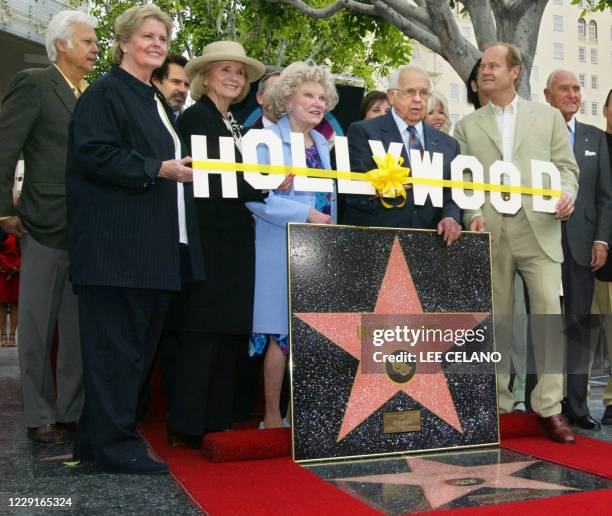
pixel 426 173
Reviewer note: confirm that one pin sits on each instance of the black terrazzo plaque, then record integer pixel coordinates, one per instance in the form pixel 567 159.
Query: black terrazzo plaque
pixel 391 342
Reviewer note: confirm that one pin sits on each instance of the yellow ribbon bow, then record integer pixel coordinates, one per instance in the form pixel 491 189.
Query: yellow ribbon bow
pixel 389 178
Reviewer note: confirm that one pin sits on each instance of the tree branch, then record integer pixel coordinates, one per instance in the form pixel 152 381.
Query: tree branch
pixel 411 29
pixel 410 11
pixel 482 21
pixel 330 10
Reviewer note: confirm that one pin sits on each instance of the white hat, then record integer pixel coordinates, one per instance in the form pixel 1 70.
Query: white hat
pixel 225 51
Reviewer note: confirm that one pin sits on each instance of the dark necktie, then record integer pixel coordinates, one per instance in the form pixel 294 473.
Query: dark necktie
pixel 413 139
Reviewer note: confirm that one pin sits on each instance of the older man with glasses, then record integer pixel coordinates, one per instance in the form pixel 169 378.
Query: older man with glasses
pixel 409 90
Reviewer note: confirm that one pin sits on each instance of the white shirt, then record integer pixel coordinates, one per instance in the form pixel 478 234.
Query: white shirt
pixel 403 129
pixel 506 125
pixel 266 121
pixel 180 191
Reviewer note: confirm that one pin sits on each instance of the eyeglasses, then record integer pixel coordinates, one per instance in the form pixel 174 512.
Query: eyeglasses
pixel 410 93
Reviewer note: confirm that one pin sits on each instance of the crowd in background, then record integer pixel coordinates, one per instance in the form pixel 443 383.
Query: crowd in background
pixel 117 251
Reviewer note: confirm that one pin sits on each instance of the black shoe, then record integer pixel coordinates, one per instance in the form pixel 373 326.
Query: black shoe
pixel 586 423
pixel 82 453
pixel 607 416
pixel 143 465
pixel 178 439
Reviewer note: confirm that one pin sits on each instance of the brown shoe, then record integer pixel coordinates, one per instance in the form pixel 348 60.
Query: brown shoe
pixel 48 434
pixel 558 429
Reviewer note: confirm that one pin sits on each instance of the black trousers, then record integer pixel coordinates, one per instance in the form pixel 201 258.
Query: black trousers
pixel 120 329
pixel 578 287
pixel 205 382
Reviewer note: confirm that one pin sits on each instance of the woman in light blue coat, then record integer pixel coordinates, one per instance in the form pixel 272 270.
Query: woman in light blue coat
pixel 299 100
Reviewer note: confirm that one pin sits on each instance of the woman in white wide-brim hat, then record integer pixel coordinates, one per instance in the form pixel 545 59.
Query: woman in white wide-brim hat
pixel 213 318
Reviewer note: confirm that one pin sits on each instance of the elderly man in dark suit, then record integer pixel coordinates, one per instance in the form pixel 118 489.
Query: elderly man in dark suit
pixel 585 238
pixel 34 121
pixel 409 89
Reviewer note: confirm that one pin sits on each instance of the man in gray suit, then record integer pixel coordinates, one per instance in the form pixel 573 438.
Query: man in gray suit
pixel 34 121
pixel 585 239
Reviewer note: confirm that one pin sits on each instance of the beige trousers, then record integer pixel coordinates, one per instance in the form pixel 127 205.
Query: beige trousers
pixel 518 249
pixel 602 305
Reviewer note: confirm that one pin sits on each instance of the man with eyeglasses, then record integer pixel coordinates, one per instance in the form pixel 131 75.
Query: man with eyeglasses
pixel 409 90
pixel 517 131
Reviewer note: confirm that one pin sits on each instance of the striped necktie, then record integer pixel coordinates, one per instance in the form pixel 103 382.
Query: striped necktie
pixel 571 136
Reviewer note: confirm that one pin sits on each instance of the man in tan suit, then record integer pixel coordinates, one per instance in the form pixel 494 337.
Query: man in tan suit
pixel 517 131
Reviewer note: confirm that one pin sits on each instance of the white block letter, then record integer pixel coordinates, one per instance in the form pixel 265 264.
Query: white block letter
pixel 343 163
pixel 250 141
pixel 503 173
pixel 428 166
pixel 199 152
pixel 459 165
pixel 538 168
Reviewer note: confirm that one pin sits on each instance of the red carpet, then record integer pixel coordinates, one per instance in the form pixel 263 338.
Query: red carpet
pixel 279 486
pixel 257 487
pixel 523 433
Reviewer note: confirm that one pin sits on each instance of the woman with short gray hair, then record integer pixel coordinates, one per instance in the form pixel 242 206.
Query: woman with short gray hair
pixel 300 99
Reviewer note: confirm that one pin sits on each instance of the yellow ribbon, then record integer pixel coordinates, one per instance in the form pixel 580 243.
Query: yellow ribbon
pixel 389 178
pixel 388 174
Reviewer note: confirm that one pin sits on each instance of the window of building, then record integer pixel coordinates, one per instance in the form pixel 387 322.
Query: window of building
pixel 454 118
pixel 534 73
pixel 593 31
pixel 454 92
pixel 582 80
pixel 557 23
pixel 558 50
pixel 594 56
pixel 594 82
pixel 581 28
pixel 558 2
pixel 416 54
pixel 594 108
pixel 467 33
pixel 581 55
pixel 582 109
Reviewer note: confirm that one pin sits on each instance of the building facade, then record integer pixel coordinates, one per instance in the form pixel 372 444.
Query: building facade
pixel 567 40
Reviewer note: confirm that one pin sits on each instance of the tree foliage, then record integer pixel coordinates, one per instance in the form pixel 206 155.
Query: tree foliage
pixel 351 43
pixel 433 24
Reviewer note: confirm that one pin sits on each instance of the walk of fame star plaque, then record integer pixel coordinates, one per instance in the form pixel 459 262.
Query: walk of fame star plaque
pixel 391 337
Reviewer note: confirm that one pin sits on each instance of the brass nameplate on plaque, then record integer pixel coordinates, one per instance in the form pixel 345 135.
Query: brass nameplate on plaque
pixel 404 421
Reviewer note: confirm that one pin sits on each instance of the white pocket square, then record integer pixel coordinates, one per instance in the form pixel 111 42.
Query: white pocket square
pixel 589 153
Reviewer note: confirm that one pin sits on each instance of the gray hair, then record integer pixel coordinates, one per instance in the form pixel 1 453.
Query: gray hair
pixel 292 78
pixel 437 98
pixel 264 80
pixel 553 76
pixel 60 27
pixel 395 76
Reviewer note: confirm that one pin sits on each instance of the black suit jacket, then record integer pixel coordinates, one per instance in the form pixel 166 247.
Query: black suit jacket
pixel 34 121
pixel 592 218
pixel 364 211
pixel 122 218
